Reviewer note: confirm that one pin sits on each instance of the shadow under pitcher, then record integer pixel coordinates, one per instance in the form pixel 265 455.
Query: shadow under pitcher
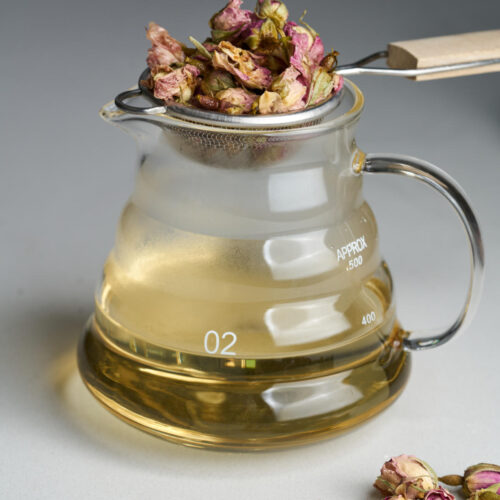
pixel 245 304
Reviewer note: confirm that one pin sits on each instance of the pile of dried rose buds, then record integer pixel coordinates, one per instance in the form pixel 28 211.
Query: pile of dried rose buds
pixel 253 63
pixel 408 477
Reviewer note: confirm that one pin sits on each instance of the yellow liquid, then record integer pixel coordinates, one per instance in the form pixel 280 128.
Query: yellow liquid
pixel 208 345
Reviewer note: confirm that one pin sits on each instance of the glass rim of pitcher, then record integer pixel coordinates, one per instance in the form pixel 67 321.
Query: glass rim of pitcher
pixel 112 112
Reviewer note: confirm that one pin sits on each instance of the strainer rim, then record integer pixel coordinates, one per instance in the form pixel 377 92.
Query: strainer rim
pixel 302 129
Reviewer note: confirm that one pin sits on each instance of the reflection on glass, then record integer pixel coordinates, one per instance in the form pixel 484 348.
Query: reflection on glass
pixel 298 256
pixel 307 321
pixel 311 397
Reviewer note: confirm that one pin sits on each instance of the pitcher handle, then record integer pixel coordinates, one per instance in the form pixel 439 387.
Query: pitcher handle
pixel 451 190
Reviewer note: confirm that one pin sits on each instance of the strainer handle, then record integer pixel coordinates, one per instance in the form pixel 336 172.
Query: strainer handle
pixel 121 102
pixel 451 190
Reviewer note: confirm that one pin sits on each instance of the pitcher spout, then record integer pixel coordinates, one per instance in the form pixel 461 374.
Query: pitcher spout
pixel 141 127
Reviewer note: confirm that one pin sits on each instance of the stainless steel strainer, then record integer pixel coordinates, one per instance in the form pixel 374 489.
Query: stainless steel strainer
pixel 240 141
pixel 283 120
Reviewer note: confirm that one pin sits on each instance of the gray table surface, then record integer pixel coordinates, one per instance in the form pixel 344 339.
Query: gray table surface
pixel 65 176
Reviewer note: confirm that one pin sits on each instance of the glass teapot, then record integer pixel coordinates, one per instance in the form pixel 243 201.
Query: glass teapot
pixel 245 304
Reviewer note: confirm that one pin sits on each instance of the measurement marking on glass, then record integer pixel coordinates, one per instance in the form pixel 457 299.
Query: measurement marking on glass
pixel 354 263
pixel 216 342
pixel 369 318
pixel 352 248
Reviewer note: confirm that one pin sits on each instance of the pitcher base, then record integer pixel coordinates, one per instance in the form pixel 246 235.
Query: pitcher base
pixel 239 414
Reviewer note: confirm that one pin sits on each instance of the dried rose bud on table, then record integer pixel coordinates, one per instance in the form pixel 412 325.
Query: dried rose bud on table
pixel 408 477
pixel 479 482
pixel 482 477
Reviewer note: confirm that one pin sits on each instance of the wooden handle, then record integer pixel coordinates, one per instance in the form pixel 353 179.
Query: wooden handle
pixel 453 49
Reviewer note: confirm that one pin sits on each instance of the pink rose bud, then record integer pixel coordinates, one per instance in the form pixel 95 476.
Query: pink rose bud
pixel 406 475
pixel 265 39
pixel 316 51
pixel 229 20
pixel 275 10
pixel 439 494
pixel 269 103
pixel 307 49
pixel 242 64
pixel 236 101
pixel 208 102
pixel 209 46
pixel 251 33
pixel 287 94
pixel 480 477
pixel 179 83
pixel 201 64
pixel 165 50
pixel 215 81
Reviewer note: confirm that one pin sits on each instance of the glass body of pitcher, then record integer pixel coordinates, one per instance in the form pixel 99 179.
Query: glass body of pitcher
pixel 245 304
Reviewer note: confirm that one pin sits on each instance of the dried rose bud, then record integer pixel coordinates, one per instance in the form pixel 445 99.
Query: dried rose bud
pixel 316 51
pixel 395 497
pixel 165 50
pixel 301 40
pixel 201 50
pixel 268 30
pixel 159 72
pixel 251 34
pixel 306 49
pixel 329 62
pixel 321 86
pixel 200 64
pixel 210 46
pixel 242 64
pixel 230 18
pixel 263 38
pixel 406 475
pixel 208 102
pixel 275 10
pixel 481 477
pixel 154 72
pixel 180 83
pixel 269 103
pixel 439 494
pixel 236 101
pixel 290 90
pixel 217 80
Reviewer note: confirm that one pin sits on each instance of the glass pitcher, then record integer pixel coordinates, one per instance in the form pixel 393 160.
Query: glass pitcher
pixel 245 304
